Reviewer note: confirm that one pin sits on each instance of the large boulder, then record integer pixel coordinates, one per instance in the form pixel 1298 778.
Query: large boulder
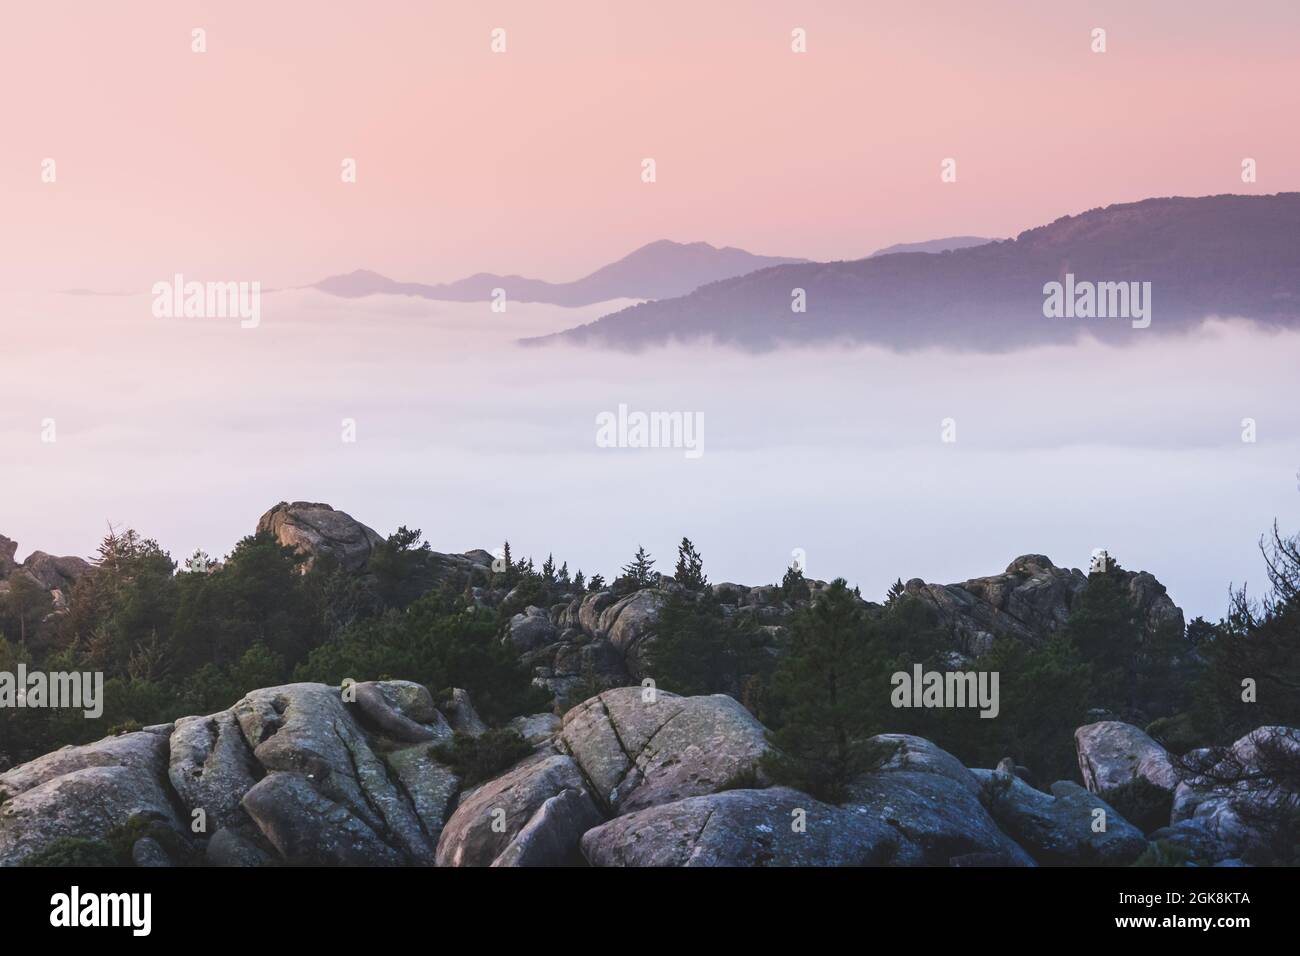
pixel 1069 825
pixel 142 752
pixel 536 729
pixel 531 629
pixel 1114 755
pixel 462 715
pixel 304 731
pixel 85 792
pixel 551 836
pixel 640 749
pixel 316 530
pixel 773 827
pixel 628 623
pixel 492 817
pixel 401 710
pixel 934 806
pixel 56 573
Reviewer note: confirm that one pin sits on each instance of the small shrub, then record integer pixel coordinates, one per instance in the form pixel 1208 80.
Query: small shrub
pixel 476 759
pixel 74 852
pixel 1142 804
pixel 1163 853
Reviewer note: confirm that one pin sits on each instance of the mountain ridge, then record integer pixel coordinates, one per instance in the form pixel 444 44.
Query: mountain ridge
pixel 1215 255
pixel 660 269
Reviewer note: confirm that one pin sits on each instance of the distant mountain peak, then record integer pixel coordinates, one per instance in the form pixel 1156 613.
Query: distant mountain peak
pixel 657 270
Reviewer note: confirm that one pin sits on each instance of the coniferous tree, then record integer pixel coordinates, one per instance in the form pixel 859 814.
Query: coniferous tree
pixel 793 586
pixel 641 569
pixel 690 567
pixel 896 590
pixel 827 692
pixel 696 650
pixel 509 570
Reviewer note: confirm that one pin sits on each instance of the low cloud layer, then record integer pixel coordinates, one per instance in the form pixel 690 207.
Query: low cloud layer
pixel 187 429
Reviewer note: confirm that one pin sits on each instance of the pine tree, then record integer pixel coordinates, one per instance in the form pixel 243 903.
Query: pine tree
pixel 793 585
pixel 548 570
pixel 640 571
pixel 509 572
pixel 579 582
pixel 596 584
pixel 896 590
pixel 827 692
pixel 690 567
pixel 1105 629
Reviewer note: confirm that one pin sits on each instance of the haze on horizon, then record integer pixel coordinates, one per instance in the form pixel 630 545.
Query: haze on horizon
pixel 225 165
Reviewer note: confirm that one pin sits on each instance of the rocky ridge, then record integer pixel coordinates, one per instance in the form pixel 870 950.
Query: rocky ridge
pixel 313 774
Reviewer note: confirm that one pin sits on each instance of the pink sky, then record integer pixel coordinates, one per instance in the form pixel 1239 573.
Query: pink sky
pixel 225 165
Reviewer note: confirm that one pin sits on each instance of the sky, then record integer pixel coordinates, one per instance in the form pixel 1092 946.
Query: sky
pixel 227 164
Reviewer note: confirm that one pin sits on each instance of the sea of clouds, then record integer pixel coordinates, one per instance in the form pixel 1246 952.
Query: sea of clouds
pixel 188 429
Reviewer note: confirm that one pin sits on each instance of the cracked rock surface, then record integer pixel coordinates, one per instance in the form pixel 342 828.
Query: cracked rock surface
pixel 639 753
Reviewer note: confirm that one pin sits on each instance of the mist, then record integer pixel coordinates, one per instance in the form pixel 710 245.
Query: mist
pixel 188 429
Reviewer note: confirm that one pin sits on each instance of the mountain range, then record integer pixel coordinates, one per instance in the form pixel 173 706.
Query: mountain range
pixel 658 270
pixel 1222 255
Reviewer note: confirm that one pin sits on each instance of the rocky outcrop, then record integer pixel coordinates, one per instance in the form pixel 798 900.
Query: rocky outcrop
pixel 312 774
pixel 323 773
pixel 1113 754
pixel 934 805
pixel 531 629
pixel 316 530
pixel 56 573
pixel 1225 811
pixel 48 572
pixel 86 792
pixel 1030 601
pixel 1069 825
pixel 627 622
pixel 8 548
pixel 640 748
